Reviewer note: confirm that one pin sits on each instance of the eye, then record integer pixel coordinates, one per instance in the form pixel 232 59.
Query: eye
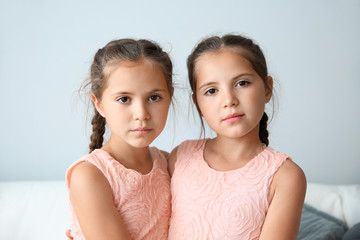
pixel 211 91
pixel 242 83
pixel 155 98
pixel 123 99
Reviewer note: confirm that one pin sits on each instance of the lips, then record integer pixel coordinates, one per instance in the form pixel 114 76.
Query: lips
pixel 141 131
pixel 233 117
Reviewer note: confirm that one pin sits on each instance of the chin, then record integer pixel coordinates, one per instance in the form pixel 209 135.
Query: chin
pixel 140 144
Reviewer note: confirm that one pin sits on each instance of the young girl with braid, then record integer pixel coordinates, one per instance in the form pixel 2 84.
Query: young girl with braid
pixel 121 190
pixel 233 186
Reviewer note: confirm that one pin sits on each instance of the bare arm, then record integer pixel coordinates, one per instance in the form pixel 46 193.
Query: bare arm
pixel 288 192
pixel 92 201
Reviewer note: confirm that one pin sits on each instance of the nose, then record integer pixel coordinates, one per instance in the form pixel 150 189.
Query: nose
pixel 230 99
pixel 141 112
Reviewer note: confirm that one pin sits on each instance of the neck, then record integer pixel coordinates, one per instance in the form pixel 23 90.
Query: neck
pixel 127 155
pixel 235 149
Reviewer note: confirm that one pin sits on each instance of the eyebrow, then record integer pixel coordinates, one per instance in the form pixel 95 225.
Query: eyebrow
pixel 130 93
pixel 206 84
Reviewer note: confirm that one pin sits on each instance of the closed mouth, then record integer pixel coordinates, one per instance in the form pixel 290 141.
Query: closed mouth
pixel 233 117
pixel 141 131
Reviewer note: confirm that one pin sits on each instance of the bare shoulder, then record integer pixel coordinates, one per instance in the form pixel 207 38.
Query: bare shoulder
pixel 86 177
pixel 289 180
pixel 290 174
pixel 287 193
pixel 93 203
pixel 172 160
pixel 85 171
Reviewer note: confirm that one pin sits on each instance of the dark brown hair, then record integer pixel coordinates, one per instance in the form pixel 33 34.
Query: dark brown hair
pixel 247 49
pixel 108 57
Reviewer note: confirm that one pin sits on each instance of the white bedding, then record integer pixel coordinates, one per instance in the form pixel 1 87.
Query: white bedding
pixel 340 201
pixel 39 210
pixel 33 210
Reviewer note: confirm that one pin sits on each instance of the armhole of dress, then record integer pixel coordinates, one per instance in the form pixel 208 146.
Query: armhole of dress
pixel 280 161
pixel 70 170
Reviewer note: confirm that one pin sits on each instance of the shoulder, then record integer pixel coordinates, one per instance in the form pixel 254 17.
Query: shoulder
pixel 84 176
pixel 172 160
pixel 158 152
pixel 92 200
pixel 286 198
pixel 290 171
pixel 187 147
pixel 290 178
pixel 88 182
pixel 164 153
pixel 161 158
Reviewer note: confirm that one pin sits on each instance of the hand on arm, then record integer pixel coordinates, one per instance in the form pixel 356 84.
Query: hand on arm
pixel 283 218
pixel 68 234
pixel 92 200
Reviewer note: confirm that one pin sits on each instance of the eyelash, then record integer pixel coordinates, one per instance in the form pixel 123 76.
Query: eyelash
pixel 213 90
pixel 243 83
pixel 122 98
pixel 158 98
pixel 150 99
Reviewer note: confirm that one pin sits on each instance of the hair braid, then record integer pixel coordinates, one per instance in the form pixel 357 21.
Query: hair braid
pixel 98 126
pixel 106 59
pixel 244 46
pixel 263 132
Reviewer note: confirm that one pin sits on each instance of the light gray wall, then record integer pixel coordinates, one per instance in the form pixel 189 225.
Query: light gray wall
pixel 312 48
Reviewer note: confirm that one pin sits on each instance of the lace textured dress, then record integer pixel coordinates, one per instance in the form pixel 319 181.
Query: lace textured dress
pixel 210 204
pixel 143 201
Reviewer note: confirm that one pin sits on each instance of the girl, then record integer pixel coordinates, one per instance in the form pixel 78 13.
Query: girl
pixel 233 186
pixel 121 190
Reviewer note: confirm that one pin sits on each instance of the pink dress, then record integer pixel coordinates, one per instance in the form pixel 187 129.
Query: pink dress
pixel 210 204
pixel 143 201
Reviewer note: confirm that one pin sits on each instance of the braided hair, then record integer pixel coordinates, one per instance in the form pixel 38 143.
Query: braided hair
pixel 242 45
pixel 106 59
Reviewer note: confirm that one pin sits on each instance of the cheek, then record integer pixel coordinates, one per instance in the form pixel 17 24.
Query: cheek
pixel 162 112
pixel 257 101
pixel 205 105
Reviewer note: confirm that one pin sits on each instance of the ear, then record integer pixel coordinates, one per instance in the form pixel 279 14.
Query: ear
pixel 97 104
pixel 196 104
pixel 171 92
pixel 193 98
pixel 269 89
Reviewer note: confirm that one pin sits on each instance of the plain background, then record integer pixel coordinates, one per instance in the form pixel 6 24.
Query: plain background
pixel 312 49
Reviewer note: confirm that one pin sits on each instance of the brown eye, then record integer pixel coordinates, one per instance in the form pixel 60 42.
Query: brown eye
pixel 123 99
pixel 154 98
pixel 242 83
pixel 211 91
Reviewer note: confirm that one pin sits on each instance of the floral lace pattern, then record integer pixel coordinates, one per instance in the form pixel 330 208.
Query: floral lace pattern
pixel 210 204
pixel 143 201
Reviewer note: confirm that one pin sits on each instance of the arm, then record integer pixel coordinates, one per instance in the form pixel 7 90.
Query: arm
pixel 92 201
pixel 287 194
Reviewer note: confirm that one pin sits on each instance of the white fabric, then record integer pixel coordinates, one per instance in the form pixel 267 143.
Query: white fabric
pixel 340 201
pixel 33 210
pixel 39 210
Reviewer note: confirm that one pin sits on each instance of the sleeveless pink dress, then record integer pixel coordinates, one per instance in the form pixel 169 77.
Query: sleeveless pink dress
pixel 143 201
pixel 210 204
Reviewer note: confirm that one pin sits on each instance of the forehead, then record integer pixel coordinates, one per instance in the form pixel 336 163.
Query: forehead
pixel 222 63
pixel 136 76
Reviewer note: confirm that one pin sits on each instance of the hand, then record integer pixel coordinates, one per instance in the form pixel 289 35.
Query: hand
pixel 68 234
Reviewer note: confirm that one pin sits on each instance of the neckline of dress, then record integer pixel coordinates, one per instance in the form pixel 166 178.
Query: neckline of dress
pixel 111 158
pixel 243 168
